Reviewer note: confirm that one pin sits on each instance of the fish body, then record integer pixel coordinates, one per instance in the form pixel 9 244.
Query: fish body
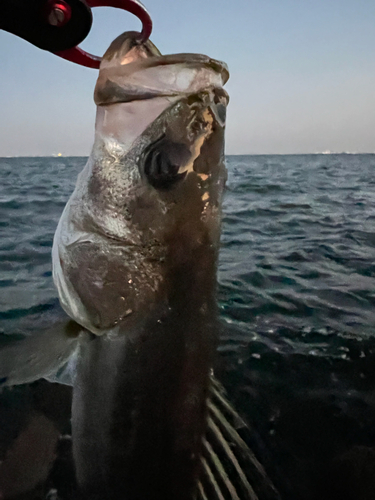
pixel 135 258
pixel 134 262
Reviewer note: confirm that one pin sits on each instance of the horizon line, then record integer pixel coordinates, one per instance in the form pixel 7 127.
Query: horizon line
pixel 229 154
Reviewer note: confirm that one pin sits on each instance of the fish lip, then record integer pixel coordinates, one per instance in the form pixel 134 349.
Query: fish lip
pixel 190 59
pixel 111 76
pixel 171 59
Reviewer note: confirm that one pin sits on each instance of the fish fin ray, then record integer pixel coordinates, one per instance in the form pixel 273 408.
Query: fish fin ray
pixel 227 459
pixel 209 481
pixel 201 494
pixel 219 470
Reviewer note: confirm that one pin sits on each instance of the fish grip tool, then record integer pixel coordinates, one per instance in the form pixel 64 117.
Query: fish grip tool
pixel 52 25
pixel 59 26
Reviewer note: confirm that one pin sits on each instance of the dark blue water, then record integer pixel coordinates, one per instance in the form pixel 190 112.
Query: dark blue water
pixel 296 295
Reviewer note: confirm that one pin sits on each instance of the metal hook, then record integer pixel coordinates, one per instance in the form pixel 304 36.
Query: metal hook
pixel 58 13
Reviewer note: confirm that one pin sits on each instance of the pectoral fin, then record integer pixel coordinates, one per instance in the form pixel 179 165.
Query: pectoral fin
pixel 40 355
pixel 230 470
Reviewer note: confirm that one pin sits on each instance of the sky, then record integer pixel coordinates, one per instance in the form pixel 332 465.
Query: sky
pixel 302 76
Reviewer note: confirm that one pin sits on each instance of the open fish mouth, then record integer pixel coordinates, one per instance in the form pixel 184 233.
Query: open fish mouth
pixel 132 72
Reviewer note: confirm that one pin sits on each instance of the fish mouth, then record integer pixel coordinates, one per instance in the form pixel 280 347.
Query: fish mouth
pixel 126 50
pixel 136 80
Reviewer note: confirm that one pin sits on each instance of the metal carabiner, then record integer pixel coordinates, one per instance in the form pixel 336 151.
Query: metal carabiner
pixel 79 56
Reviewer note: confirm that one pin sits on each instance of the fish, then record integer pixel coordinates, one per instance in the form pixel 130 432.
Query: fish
pixel 135 258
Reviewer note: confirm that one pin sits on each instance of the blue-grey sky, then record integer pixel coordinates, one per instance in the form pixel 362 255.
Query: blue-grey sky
pixel 302 75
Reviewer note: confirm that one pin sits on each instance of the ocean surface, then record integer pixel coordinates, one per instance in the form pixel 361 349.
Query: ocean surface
pixel 296 296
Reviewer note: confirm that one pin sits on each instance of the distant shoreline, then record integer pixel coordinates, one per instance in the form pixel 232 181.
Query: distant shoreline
pixel 227 155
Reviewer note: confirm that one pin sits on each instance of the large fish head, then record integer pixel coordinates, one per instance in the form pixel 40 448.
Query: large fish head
pixel 151 191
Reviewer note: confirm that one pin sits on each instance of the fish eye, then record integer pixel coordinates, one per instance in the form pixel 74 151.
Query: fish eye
pixel 162 161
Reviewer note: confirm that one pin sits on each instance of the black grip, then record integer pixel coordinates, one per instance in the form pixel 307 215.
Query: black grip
pixel 27 19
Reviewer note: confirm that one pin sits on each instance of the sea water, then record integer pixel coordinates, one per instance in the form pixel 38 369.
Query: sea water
pixel 296 296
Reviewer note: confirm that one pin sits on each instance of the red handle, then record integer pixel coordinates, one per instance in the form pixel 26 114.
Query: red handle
pixel 135 7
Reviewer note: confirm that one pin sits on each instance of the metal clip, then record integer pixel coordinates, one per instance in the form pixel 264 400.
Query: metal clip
pixel 59 14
